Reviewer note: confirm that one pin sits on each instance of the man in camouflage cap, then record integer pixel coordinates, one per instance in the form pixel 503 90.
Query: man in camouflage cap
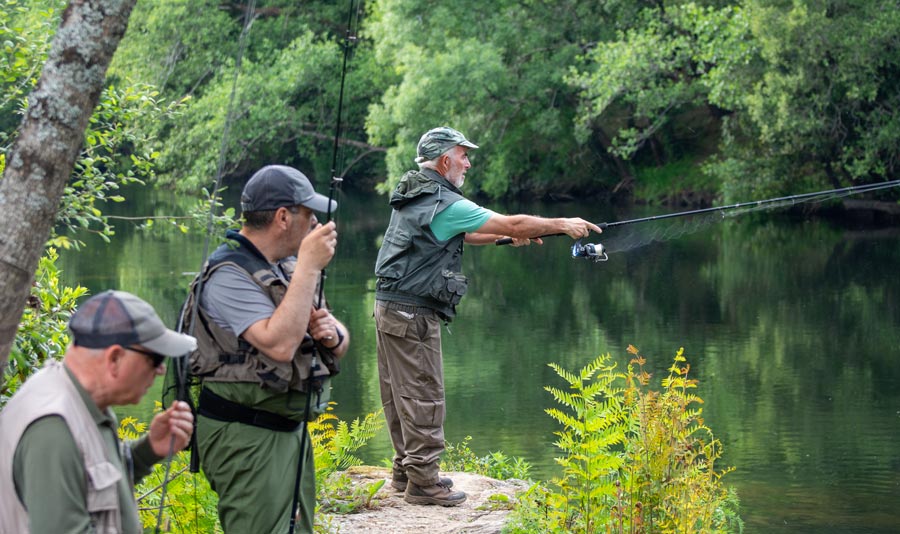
pixel 439 140
pixel 418 285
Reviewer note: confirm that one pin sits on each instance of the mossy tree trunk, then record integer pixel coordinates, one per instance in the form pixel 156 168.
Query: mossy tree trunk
pixel 48 143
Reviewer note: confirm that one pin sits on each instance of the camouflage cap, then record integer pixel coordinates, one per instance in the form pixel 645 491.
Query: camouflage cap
pixel 439 140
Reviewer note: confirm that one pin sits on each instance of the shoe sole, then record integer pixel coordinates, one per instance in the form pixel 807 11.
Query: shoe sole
pixel 401 486
pixel 413 499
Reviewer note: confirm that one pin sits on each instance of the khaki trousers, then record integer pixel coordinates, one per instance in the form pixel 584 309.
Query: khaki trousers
pixel 411 374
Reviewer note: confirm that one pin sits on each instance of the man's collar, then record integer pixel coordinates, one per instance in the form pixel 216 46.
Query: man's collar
pixel 432 174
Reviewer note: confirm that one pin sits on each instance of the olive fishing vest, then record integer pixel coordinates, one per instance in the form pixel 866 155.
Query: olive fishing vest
pixel 413 266
pixel 50 391
pixel 223 356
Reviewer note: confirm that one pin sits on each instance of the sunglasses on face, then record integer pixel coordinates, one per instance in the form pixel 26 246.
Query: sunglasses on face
pixel 156 358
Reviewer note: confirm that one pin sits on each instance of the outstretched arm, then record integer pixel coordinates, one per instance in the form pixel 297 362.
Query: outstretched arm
pixel 529 227
pixel 478 238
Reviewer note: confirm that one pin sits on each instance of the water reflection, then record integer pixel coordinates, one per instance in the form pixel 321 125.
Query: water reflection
pixel 790 325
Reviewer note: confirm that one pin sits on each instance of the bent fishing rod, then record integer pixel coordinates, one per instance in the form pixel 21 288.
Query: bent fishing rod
pixel 335 182
pixel 596 252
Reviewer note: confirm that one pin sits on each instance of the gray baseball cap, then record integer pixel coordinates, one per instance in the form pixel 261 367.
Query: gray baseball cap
pixel 120 318
pixel 278 186
pixel 438 140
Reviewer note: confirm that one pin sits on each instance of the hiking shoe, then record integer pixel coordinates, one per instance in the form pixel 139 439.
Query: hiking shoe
pixel 399 481
pixel 440 494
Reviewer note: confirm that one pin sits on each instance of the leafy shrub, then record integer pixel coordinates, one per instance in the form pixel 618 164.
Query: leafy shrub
pixel 334 445
pixel 42 331
pixel 635 460
pixel 459 457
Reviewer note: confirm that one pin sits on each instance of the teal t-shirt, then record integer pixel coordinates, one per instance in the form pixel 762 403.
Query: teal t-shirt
pixel 461 216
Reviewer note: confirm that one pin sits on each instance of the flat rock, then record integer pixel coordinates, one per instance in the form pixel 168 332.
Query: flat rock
pixel 484 512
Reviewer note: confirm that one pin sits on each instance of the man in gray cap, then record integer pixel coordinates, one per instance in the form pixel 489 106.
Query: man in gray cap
pixel 418 285
pixel 265 352
pixel 62 466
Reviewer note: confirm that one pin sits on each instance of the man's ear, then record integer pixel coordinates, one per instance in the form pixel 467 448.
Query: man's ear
pixel 281 217
pixel 443 163
pixel 112 358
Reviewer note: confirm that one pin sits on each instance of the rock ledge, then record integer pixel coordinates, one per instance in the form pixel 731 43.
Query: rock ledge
pixel 484 512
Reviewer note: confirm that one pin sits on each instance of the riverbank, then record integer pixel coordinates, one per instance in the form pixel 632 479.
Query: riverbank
pixel 485 511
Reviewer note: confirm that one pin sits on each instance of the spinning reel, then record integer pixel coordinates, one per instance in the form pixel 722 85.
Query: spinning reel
pixel 594 252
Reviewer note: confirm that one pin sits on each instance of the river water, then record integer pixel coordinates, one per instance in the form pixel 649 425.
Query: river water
pixel 791 325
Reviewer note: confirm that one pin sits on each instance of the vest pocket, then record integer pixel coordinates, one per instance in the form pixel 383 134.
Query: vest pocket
pixel 273 375
pixel 395 243
pixel 103 495
pixel 450 287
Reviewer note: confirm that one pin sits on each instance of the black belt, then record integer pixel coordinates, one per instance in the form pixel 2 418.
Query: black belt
pixel 408 308
pixel 221 409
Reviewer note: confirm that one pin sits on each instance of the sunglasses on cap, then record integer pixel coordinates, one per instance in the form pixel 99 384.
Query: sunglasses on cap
pixel 155 357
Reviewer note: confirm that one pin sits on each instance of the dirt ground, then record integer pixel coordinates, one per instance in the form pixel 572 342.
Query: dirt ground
pixel 484 511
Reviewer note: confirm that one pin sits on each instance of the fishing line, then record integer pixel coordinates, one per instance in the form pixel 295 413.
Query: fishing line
pixel 336 180
pixel 180 365
pixel 700 218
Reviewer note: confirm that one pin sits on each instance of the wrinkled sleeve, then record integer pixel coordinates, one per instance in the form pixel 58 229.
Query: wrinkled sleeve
pixel 143 456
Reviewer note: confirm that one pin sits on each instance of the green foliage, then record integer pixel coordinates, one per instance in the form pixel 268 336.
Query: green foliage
pixel 459 457
pixel 115 154
pixel 494 71
pixel 806 89
pixel 335 442
pixel 564 97
pixel 42 331
pixel 118 147
pixel 677 179
pixel 190 502
pixel 334 445
pixel 635 459
pixel 287 89
pixel 26 30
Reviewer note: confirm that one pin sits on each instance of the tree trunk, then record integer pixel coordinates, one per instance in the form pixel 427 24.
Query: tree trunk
pixel 49 140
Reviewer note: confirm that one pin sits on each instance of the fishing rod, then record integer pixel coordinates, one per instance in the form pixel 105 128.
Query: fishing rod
pixel 596 252
pixel 350 39
pixel 180 371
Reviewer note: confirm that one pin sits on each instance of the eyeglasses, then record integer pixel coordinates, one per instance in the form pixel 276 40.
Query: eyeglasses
pixel 155 357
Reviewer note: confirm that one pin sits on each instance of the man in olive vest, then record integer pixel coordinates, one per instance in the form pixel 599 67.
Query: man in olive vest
pixel 62 466
pixel 418 285
pixel 265 352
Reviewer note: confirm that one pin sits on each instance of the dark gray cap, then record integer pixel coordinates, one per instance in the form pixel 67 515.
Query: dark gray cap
pixel 436 141
pixel 120 318
pixel 280 186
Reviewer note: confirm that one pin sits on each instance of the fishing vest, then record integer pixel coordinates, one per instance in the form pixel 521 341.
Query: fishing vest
pixel 413 266
pixel 50 391
pixel 223 356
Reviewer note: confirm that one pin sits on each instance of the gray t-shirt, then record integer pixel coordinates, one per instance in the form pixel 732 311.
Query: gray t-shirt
pixel 234 301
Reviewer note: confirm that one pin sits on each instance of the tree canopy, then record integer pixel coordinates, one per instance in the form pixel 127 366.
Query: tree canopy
pixel 571 97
